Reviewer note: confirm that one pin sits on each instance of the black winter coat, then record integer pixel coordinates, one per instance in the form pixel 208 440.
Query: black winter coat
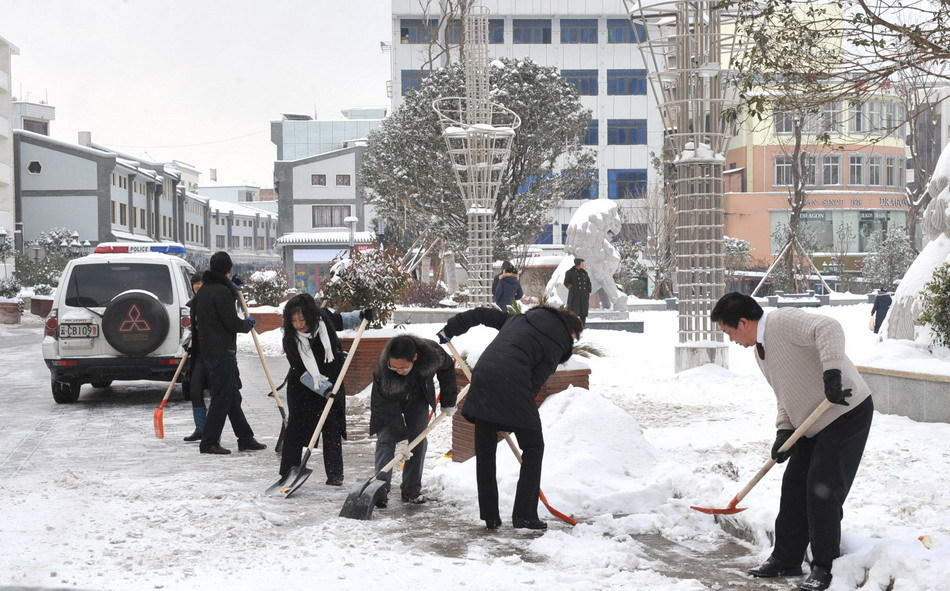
pixel 507 290
pixel 510 372
pixel 331 370
pixel 215 316
pixel 391 390
pixel 577 282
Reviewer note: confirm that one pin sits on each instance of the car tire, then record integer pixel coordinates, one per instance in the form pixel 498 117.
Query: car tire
pixel 66 392
pixel 135 323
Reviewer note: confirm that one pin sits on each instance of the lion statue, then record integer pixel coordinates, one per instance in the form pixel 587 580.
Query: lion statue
pixel 588 238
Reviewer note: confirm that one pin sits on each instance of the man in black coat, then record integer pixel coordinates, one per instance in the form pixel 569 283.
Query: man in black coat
pixel 577 282
pixel 217 323
pixel 507 378
pixel 403 393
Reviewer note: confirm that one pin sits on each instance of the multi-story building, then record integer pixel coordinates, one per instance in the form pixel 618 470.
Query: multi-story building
pixel 7 217
pixel 593 44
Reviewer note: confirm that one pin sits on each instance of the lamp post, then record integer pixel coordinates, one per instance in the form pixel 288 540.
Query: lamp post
pixel 350 221
pixel 3 250
pixel 381 232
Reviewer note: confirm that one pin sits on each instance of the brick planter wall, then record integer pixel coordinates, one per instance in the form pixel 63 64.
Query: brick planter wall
pixel 360 373
pixel 463 432
pixel 267 321
pixel 10 312
pixel 41 305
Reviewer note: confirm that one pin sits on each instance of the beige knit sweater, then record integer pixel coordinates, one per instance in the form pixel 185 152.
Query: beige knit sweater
pixel 799 347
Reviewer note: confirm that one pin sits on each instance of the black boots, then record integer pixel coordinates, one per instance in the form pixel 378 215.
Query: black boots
pixel 250 445
pixel 527 523
pixel 493 523
pixel 201 414
pixel 382 501
pixel 214 448
pixel 772 568
pixel 196 436
pixel 416 500
pixel 818 580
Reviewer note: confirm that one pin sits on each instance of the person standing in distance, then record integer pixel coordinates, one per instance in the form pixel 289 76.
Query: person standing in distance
pixel 197 380
pixel 577 282
pixel 802 356
pixel 508 288
pixel 403 392
pixel 217 323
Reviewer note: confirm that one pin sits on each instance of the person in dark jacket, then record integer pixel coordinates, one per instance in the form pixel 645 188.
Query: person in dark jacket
pixel 217 324
pixel 508 288
pixel 197 379
pixel 577 282
pixel 494 280
pixel 315 356
pixel 882 303
pixel 403 392
pixel 507 378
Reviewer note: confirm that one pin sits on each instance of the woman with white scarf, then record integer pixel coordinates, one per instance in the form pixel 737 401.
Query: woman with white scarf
pixel 316 358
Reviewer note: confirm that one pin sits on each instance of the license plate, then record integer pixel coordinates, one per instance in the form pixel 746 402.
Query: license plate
pixel 78 331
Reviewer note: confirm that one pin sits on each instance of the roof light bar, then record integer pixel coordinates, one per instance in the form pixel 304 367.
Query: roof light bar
pixel 171 248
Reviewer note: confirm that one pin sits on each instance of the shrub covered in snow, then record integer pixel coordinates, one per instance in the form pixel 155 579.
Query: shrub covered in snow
pixel 426 295
pixel 9 288
pixel 266 287
pixel 371 279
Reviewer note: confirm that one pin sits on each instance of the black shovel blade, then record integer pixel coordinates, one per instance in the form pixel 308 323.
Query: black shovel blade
pixel 277 485
pixel 295 478
pixel 360 503
pixel 279 448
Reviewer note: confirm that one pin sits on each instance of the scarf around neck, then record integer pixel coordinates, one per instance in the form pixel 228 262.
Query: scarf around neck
pixel 306 351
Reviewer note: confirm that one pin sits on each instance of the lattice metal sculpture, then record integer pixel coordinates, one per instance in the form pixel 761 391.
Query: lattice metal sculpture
pixel 478 134
pixel 687 46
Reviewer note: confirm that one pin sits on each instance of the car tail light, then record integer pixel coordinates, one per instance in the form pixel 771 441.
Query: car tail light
pixel 185 315
pixel 52 323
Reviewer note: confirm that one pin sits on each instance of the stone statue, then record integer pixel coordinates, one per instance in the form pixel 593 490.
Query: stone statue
pixel 588 237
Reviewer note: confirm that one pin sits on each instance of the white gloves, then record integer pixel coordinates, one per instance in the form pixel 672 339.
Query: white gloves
pixel 449 410
pixel 403 448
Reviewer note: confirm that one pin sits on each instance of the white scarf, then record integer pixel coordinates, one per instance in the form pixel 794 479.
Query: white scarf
pixel 306 351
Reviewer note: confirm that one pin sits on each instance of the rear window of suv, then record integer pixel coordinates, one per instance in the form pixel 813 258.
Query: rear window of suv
pixel 97 285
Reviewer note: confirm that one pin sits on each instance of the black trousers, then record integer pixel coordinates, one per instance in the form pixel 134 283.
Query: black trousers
pixel 224 379
pixel 304 408
pixel 527 493
pixel 197 382
pixel 816 483
pixel 416 416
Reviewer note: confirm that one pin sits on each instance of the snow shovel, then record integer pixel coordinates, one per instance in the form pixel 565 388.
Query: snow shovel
pixel 732 507
pixel 299 474
pixel 159 418
pixel 360 503
pixel 270 380
pixel 511 444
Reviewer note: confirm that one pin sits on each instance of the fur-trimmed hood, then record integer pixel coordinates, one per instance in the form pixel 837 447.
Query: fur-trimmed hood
pixel 428 362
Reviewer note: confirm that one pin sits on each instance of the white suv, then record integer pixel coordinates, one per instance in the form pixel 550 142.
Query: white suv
pixel 118 314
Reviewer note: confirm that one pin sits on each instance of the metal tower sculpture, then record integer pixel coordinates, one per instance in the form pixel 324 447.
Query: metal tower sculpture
pixel 478 134
pixel 685 52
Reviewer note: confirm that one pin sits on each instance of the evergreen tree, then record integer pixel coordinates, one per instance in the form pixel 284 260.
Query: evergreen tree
pixel 407 175
pixel 891 256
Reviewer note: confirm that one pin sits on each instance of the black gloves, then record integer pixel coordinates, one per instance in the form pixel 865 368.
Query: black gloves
pixel 781 436
pixel 443 338
pixel 833 391
pixel 368 315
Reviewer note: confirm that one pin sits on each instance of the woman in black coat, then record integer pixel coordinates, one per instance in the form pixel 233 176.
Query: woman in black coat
pixel 314 354
pixel 507 378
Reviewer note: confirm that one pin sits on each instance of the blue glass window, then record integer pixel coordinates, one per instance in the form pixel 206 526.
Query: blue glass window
pixel 531 30
pixel 590 190
pixel 626 184
pixel 496 31
pixel 585 81
pixel 621 30
pixel 592 137
pixel 412 80
pixel 416 30
pixel 578 30
pixel 621 82
pixel 546 236
pixel 626 132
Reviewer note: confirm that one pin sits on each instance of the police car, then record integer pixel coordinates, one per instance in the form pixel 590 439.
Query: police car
pixel 118 314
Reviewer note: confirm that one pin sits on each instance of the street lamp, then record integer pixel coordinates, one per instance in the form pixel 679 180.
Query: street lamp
pixel 381 232
pixel 350 221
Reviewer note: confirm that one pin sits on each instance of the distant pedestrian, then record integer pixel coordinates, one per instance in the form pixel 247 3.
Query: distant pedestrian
pixel 197 376
pixel 494 280
pixel 577 282
pixel 882 303
pixel 505 381
pixel 217 323
pixel 403 392
pixel 315 356
pixel 508 288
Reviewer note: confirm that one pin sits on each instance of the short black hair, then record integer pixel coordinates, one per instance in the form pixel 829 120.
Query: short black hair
pixel 403 347
pixel 197 277
pixel 733 307
pixel 221 262
pixel 572 321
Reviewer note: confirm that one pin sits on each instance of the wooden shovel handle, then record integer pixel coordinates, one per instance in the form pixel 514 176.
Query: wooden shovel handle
pixel 171 384
pixel 825 405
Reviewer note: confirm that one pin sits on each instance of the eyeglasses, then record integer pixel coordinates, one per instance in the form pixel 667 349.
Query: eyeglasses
pixel 405 369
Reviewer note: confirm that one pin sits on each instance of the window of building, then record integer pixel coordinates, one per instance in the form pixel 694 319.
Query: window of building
pixel 531 30
pixel 831 118
pixel 142 218
pixel 831 169
pixel 621 30
pixel 783 170
pixel 590 190
pixel 416 30
pixel 112 211
pixel 875 116
pixel 578 30
pixel 496 31
pixel 626 82
pixel 785 122
pixel 219 241
pixel 820 225
pixel 871 225
pixel 123 214
pixel 857 123
pixel 875 172
pixel 330 216
pixel 41 127
pixel 585 81
pixel 235 242
pixel 855 169
pixel 626 184
pixel 626 132
pixel 412 80
pixel 592 137
pixel 248 242
pixel 318 180
pixel 342 180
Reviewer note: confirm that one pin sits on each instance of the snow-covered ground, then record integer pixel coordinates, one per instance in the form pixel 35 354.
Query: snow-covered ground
pixel 90 499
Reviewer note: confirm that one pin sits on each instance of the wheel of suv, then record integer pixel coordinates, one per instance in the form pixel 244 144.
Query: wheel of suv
pixel 135 323
pixel 65 392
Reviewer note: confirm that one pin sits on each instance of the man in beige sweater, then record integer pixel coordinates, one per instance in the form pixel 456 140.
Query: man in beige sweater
pixel 802 356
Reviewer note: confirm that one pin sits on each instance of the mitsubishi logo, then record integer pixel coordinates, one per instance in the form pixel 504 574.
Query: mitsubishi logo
pixel 134 321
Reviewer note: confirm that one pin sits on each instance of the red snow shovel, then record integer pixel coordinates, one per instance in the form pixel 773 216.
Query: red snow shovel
pixel 299 474
pixel 511 444
pixel 159 418
pixel 732 507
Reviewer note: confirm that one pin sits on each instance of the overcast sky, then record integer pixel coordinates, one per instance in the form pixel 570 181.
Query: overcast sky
pixel 196 80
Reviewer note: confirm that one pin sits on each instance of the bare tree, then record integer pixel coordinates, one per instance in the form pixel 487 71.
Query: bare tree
pixel 655 221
